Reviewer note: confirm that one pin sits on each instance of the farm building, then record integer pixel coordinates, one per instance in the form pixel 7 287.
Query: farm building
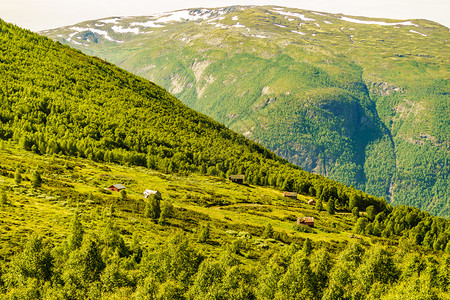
pixel 116 187
pixel 237 178
pixel 307 221
pixel 147 193
pixel 292 195
pixel 312 202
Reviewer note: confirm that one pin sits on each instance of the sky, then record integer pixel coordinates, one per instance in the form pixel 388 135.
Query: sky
pixel 39 15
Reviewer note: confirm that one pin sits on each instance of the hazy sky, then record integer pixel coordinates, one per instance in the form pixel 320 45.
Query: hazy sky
pixel 45 14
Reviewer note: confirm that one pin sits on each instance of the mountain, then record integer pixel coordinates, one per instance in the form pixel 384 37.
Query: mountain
pixel 72 125
pixel 363 101
pixel 59 101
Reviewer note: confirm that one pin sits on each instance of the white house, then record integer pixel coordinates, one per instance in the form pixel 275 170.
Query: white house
pixel 150 192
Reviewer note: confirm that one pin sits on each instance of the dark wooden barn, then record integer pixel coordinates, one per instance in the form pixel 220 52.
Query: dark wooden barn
pixel 237 178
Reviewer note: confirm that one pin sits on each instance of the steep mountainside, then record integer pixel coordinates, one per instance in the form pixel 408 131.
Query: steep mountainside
pixel 59 101
pixel 362 101
pixel 72 125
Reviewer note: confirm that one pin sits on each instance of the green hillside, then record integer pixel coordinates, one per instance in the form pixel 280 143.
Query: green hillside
pixel 56 100
pixel 73 125
pixel 68 238
pixel 362 101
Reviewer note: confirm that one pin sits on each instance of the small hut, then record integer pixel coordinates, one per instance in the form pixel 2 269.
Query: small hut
pixel 147 193
pixel 237 178
pixel 116 187
pixel 292 195
pixel 312 202
pixel 307 221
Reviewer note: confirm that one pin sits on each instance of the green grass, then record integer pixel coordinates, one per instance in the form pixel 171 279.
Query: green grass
pixel 273 89
pixel 47 211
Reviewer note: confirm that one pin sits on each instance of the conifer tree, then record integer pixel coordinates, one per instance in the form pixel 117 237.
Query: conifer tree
pixel 76 234
pixel 123 195
pixel 152 208
pixel 307 248
pixel 166 212
pixel 36 180
pixel 330 206
pixel 268 231
pixel 319 204
pixel 3 198
pixel 17 176
pixel 203 236
pixel 355 212
pixel 370 211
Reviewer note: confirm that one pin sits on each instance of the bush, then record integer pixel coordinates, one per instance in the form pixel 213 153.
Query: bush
pixel 303 228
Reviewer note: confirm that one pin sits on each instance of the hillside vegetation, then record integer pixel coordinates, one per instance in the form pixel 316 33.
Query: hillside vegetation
pixel 65 237
pixel 362 101
pixel 72 125
pixel 56 100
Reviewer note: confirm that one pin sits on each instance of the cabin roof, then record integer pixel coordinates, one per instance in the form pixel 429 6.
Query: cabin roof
pixel 118 186
pixel 290 193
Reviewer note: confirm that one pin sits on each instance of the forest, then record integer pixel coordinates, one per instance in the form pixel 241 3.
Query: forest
pixel 363 104
pixel 69 122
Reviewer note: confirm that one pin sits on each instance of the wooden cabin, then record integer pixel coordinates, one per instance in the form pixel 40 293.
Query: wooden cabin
pixel 116 187
pixel 292 195
pixel 312 202
pixel 237 178
pixel 307 221
pixel 147 193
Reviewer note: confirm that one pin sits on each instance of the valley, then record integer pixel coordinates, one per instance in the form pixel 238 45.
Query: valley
pixel 222 217
pixel 362 101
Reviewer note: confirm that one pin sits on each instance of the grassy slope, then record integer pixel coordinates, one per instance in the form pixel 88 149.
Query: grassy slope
pixel 47 211
pixel 317 99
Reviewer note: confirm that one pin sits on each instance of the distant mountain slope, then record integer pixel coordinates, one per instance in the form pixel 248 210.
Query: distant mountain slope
pixel 57 100
pixel 362 101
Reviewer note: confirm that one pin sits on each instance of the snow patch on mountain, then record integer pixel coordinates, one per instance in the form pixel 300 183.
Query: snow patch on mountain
pixel 298 32
pixel 295 15
pixel 146 24
pixel 238 25
pixel 413 31
pixel 120 29
pixel 406 23
pixel 97 31
pixel 110 21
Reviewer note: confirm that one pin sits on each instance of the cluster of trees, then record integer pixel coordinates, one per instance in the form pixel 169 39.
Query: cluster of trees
pixel 104 266
pixel 418 226
pixel 70 104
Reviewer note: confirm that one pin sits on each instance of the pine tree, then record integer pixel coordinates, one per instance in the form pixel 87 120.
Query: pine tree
pixel 76 234
pixel 203 236
pixel 17 176
pixel 123 195
pixel 268 231
pixel 319 204
pixel 152 208
pixel 36 180
pixel 3 198
pixel 166 212
pixel 355 212
pixel 330 206
pixel 370 211
pixel 307 248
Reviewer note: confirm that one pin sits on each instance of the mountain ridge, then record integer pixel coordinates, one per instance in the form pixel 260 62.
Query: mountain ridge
pixel 72 125
pixel 275 74
pixel 272 73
